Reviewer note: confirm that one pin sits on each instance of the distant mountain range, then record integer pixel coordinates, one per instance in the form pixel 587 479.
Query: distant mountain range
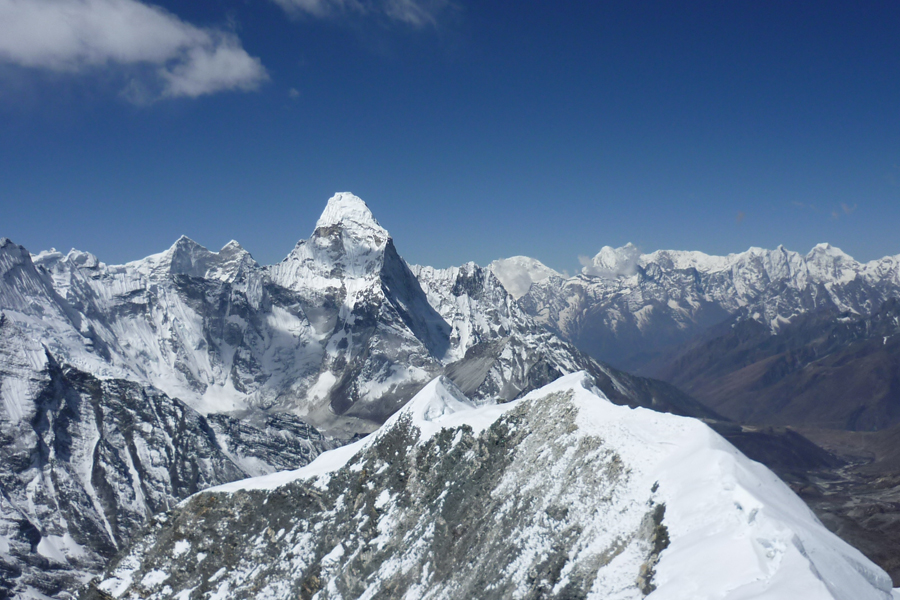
pixel 764 336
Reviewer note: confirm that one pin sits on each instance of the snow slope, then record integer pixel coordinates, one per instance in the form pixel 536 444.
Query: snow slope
pixel 560 494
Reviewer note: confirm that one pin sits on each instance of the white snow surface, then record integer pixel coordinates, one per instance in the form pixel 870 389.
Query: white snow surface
pixel 518 273
pixel 346 209
pixel 736 530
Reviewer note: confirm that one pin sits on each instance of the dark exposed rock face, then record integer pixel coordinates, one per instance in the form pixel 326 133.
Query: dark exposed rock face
pixel 278 442
pixel 823 369
pixel 95 458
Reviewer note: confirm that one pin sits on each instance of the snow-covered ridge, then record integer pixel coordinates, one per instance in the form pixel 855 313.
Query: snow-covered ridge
pixel 627 307
pixel 823 262
pixel 187 257
pixel 625 503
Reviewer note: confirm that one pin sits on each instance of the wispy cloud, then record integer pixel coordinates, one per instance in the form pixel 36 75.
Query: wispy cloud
pixel 415 13
pixel 845 209
pixel 76 36
pixel 805 206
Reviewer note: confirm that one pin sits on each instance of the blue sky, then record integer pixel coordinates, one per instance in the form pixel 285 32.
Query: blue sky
pixel 473 130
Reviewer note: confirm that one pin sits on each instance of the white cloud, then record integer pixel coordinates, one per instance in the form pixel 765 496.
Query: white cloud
pixel 413 12
pixel 416 13
pixel 79 35
pixel 223 66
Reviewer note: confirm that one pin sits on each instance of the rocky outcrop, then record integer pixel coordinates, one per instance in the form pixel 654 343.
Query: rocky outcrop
pixel 90 460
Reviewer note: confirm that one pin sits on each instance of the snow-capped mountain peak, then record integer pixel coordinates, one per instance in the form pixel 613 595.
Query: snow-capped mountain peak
pixel 12 254
pixel 611 263
pixel 681 259
pixel 83 260
pixel 518 273
pixel 350 212
pixel 187 257
pixel 826 262
pixel 347 243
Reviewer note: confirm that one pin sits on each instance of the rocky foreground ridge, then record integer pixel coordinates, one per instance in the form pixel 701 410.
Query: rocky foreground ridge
pixel 560 494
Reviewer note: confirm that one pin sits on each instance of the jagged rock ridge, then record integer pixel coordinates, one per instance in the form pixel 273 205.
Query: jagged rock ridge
pixel 558 495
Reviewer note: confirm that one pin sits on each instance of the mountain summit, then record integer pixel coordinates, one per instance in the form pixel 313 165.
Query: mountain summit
pixel 351 212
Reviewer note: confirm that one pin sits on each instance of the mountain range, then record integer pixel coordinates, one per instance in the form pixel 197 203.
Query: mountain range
pixel 128 388
pixel 765 336
pixel 111 375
